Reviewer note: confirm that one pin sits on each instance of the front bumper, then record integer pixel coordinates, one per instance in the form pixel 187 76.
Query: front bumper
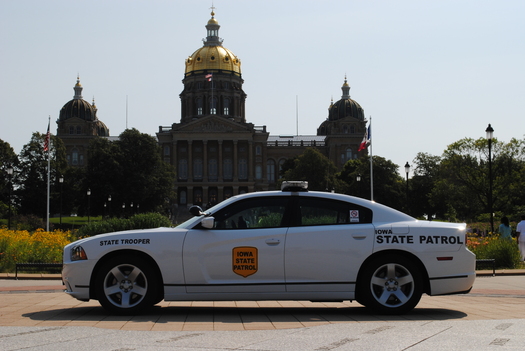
pixel 76 277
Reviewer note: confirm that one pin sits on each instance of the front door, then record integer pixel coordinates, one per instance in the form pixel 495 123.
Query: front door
pixel 243 253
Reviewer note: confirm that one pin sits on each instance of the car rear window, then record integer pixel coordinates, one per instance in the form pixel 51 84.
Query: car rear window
pixel 318 211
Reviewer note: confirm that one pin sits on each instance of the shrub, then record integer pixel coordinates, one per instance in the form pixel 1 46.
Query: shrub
pixel 139 221
pixel 505 252
pixel 29 222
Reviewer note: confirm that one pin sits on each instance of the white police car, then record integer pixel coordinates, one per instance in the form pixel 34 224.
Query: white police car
pixel 277 245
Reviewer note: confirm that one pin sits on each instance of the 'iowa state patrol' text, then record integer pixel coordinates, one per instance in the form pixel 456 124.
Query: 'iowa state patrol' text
pixel 385 236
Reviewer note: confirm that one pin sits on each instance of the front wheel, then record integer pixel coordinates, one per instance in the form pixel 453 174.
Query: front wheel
pixel 126 285
pixel 390 285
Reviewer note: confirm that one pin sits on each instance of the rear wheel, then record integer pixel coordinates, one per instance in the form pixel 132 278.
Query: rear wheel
pixel 126 285
pixel 390 285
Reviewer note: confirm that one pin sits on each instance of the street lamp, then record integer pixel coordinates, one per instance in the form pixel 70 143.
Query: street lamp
pixel 407 170
pixel 490 132
pixel 9 171
pixel 61 181
pixel 358 178
pixel 89 202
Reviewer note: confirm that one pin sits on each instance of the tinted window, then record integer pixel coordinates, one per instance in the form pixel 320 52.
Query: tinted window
pixel 317 211
pixel 253 213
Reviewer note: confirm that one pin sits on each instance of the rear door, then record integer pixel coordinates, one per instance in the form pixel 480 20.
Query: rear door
pixel 326 247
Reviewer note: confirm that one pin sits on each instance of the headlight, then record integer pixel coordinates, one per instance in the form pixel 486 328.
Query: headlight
pixel 78 253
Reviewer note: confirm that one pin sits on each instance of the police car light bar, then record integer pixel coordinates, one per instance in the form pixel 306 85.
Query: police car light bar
pixel 294 185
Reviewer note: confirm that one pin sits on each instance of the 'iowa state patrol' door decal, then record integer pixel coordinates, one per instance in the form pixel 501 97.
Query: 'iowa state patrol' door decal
pixel 244 260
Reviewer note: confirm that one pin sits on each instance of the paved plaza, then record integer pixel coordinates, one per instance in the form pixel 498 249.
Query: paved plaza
pixel 36 315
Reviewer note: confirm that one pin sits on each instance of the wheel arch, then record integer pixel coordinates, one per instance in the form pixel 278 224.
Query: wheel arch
pixel 408 255
pixel 125 252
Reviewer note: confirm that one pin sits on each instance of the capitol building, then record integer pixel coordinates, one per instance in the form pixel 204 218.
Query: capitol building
pixel 214 149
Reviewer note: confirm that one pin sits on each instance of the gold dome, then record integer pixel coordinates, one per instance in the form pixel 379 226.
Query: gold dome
pixel 213 58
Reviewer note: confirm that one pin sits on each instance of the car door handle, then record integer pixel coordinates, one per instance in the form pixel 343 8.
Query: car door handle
pixel 273 241
pixel 359 236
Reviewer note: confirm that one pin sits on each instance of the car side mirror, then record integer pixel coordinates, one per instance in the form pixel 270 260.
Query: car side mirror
pixel 208 222
pixel 196 210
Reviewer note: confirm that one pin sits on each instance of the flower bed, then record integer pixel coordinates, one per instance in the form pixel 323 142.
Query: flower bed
pixel 21 246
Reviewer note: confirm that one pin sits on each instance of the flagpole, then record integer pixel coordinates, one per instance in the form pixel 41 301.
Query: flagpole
pixel 371 162
pixel 48 171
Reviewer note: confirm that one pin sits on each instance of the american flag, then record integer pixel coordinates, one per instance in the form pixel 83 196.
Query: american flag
pixel 46 141
pixel 366 139
pixel 209 76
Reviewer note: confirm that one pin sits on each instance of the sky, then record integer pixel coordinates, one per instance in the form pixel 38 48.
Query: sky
pixel 426 73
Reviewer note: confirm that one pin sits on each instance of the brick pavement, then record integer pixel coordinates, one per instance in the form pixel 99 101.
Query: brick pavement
pixel 41 303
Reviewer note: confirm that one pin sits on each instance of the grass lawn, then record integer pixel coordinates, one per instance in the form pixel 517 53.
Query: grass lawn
pixel 74 222
pixel 67 222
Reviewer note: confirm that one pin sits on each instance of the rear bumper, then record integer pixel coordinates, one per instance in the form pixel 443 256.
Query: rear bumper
pixel 448 285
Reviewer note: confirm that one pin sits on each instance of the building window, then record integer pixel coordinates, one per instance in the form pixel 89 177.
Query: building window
pixel 243 169
pixel 258 172
pixel 226 109
pixel 197 196
pixel 258 150
pixel 270 170
pixel 213 106
pixel 228 169
pixel 228 192
pixel 213 172
pixel 183 169
pixel 199 106
pixel 79 130
pixel 166 150
pixel 348 154
pixel 74 157
pixel 71 130
pixel 212 196
pixel 183 198
pixel 197 168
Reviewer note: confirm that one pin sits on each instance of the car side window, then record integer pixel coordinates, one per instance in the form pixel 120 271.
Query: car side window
pixel 317 211
pixel 253 214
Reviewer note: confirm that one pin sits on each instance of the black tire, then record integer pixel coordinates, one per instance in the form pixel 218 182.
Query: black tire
pixel 390 285
pixel 126 285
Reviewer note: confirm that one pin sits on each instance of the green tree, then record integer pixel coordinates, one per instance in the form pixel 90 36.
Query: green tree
pixel 388 184
pixel 317 169
pixel 32 173
pixel 427 172
pixel 8 158
pixel 509 178
pixel 463 186
pixel 132 171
